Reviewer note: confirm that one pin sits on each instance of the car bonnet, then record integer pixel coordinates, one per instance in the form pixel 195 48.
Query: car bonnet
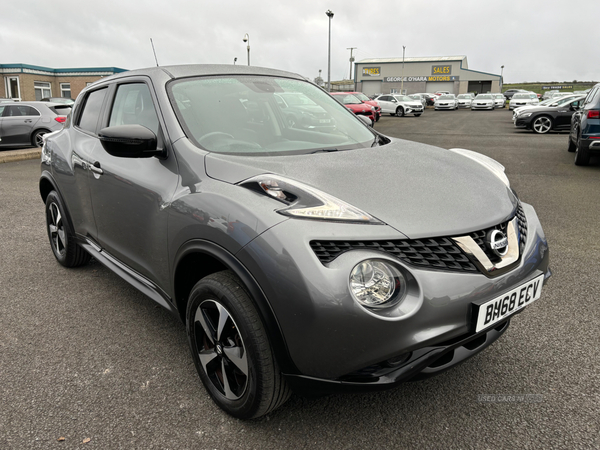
pixel 420 190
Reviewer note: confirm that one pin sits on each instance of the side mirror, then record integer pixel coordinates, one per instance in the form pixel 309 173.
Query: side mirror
pixel 366 120
pixel 129 141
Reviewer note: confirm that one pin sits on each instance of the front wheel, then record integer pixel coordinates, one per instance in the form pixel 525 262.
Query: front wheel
pixel 231 349
pixel 400 111
pixel 542 125
pixel 582 155
pixel 571 147
pixel 62 238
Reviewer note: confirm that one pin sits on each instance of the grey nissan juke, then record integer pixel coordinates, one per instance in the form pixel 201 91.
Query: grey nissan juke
pixel 302 249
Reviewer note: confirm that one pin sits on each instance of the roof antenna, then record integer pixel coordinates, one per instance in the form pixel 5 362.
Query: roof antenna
pixel 155 58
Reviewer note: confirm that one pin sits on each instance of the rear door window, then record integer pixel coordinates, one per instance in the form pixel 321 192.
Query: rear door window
pixel 20 110
pixel 88 119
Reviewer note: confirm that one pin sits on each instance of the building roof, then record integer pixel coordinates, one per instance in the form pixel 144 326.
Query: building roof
pixel 414 59
pixel 39 70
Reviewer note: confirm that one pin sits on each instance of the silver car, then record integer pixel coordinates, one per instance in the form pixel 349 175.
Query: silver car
pixel 523 99
pixel 446 101
pixel 500 100
pixel 483 101
pixel 23 124
pixel 464 100
pixel 400 105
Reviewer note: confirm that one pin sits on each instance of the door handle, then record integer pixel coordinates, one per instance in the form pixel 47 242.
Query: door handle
pixel 96 168
pixel 28 121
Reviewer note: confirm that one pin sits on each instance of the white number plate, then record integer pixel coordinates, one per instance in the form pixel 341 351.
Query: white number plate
pixel 493 311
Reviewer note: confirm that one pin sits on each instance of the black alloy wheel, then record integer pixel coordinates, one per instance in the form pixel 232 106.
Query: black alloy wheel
pixel 542 125
pixel 231 349
pixel 399 111
pixel 62 239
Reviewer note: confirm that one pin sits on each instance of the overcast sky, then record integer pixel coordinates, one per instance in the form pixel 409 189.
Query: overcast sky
pixel 535 40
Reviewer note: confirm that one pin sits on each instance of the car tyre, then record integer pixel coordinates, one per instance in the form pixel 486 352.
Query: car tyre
pixel 582 156
pixel 37 139
pixel 62 239
pixel 231 349
pixel 399 111
pixel 417 115
pixel 542 124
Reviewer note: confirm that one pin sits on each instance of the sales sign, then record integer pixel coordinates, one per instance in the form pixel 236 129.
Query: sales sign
pixel 441 70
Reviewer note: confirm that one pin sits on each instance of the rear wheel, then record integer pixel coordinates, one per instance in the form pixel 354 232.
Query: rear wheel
pixel 62 238
pixel 542 124
pixel 231 349
pixel 399 111
pixel 38 138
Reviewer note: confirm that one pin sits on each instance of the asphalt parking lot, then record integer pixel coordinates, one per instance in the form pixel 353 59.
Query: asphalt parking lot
pixel 86 356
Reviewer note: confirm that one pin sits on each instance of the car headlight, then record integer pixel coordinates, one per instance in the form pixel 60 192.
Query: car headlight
pixel 377 284
pixel 524 115
pixel 373 108
pixel 305 202
pixel 491 164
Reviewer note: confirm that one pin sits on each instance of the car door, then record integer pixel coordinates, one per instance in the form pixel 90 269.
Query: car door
pixel 18 122
pixel 385 101
pixel 564 113
pixel 131 195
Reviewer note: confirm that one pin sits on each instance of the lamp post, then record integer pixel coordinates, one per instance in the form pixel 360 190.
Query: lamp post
pixel 501 77
pixel 234 60
pixel 402 82
pixel 247 39
pixel 330 15
pixel 351 60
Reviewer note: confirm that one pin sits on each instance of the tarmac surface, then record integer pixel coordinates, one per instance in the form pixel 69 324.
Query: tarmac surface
pixel 85 356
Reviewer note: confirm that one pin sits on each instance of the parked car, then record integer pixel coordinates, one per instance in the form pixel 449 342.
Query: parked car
pixel 548 94
pixel 543 119
pixel 23 124
pixel 523 99
pixel 348 260
pixel 500 100
pixel 584 134
pixel 355 105
pixel 510 92
pixel 438 93
pixel 420 98
pixel 363 98
pixel 483 101
pixel 302 112
pixel 429 97
pixel 62 100
pixel 446 101
pixel 550 102
pixel 6 100
pixel 400 105
pixel 464 100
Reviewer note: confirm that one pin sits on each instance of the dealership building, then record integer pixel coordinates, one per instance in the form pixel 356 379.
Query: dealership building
pixel 423 74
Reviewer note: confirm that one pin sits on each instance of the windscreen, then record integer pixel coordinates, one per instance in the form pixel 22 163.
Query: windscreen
pixel 260 115
pixel 485 97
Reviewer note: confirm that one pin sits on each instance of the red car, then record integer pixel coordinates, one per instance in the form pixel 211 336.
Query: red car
pixel 355 105
pixel 363 98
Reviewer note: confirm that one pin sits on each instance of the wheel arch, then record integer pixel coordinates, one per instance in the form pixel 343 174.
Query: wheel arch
pixel 197 259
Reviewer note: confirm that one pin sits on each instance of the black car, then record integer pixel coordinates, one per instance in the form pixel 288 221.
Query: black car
pixel 543 119
pixel 584 138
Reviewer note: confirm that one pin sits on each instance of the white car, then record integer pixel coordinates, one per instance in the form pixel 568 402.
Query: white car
pixel 464 100
pixel 420 98
pixel 523 99
pixel 484 101
pixel 446 101
pixel 399 105
pixel 500 100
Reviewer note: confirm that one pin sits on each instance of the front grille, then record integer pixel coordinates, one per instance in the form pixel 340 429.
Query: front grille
pixel 434 253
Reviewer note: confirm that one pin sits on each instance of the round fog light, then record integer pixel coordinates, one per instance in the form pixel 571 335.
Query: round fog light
pixel 377 284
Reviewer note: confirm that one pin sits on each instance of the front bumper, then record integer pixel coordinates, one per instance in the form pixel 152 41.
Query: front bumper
pixel 444 106
pixel 332 339
pixel 484 106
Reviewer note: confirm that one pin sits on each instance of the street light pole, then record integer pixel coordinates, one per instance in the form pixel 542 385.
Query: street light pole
pixel 402 82
pixel 501 77
pixel 247 39
pixel 234 60
pixel 351 60
pixel 330 15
